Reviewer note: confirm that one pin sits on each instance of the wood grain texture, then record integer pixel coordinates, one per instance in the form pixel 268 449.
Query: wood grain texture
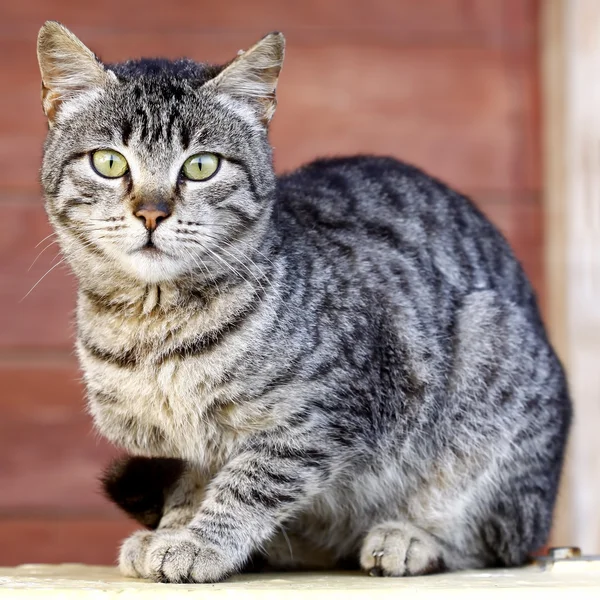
pixel 51 458
pixel 40 319
pixel 88 540
pixel 481 22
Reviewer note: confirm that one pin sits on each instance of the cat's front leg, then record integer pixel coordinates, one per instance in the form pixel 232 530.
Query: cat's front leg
pixel 140 487
pixel 159 493
pixel 184 499
pixel 244 505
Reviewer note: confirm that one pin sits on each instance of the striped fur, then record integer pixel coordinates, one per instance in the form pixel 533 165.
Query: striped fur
pixel 347 362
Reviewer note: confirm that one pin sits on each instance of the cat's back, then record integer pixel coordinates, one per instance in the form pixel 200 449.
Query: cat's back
pixel 380 195
pixel 385 212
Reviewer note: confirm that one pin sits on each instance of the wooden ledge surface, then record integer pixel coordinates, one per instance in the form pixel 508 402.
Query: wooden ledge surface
pixel 579 578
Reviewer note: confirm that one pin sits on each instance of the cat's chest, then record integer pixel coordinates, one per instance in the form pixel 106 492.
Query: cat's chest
pixel 165 384
pixel 177 408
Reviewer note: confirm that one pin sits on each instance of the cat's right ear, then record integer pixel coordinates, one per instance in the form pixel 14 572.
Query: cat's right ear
pixel 67 66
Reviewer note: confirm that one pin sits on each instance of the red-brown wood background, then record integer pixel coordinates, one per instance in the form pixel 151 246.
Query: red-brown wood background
pixel 450 85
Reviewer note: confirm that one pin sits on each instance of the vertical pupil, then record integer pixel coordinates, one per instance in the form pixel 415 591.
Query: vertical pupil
pixel 199 163
pixel 111 161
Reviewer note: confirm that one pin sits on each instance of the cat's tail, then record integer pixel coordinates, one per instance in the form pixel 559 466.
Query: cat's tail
pixel 138 485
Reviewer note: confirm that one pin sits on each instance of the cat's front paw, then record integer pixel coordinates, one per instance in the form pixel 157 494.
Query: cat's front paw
pixel 133 552
pixel 173 556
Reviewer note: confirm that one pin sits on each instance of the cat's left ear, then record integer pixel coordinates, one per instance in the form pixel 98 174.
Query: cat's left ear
pixel 252 76
pixel 68 67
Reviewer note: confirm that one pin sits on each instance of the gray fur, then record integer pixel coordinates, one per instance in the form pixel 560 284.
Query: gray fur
pixel 348 358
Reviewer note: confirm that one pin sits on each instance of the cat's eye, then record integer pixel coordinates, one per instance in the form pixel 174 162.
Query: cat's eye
pixel 200 167
pixel 109 163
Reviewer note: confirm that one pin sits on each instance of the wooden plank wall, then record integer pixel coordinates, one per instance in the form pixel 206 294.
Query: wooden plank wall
pixel 450 85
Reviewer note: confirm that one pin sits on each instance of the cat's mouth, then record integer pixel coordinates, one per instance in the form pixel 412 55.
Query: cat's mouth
pixel 151 249
pixel 150 246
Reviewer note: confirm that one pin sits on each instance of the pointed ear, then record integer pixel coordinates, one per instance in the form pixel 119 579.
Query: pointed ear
pixel 252 75
pixel 67 66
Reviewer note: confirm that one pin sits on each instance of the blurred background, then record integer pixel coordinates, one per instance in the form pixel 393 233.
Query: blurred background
pixel 454 86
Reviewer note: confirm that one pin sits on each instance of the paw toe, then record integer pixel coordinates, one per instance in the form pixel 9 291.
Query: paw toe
pixel 133 553
pixel 181 556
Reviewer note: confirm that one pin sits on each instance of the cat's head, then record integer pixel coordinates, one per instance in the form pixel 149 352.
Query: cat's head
pixel 156 169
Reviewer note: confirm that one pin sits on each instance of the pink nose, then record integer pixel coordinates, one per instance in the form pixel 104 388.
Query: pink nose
pixel 152 215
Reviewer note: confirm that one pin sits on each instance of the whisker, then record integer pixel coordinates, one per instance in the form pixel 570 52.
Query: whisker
pixel 41 278
pixel 46 248
pixel 203 268
pixel 229 266
pixel 55 257
pixel 107 228
pixel 287 539
pixel 44 239
pixel 262 254
pixel 244 255
pixel 197 228
pixel 248 270
pixel 42 252
pixel 109 220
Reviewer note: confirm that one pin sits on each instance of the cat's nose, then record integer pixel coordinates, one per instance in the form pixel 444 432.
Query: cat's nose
pixel 152 215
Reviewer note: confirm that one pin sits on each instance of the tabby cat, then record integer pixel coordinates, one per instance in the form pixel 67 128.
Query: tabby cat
pixel 344 365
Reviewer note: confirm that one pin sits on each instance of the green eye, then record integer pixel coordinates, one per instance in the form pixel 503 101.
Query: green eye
pixel 109 163
pixel 200 166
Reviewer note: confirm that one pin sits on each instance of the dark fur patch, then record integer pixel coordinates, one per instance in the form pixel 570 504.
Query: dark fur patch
pixel 182 69
pixel 125 359
pixel 205 342
pixel 138 485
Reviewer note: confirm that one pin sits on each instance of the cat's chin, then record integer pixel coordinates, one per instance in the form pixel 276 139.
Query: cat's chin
pixel 152 266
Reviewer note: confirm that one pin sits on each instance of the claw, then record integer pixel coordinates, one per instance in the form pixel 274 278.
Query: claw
pixel 377 571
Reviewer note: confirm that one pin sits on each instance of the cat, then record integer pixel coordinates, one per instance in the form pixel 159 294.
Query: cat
pixel 344 365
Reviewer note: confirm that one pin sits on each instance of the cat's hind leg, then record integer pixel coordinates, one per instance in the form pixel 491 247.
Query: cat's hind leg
pixel 159 493
pixel 399 548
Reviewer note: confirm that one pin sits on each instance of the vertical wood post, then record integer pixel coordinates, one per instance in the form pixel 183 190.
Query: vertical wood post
pixel 571 98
